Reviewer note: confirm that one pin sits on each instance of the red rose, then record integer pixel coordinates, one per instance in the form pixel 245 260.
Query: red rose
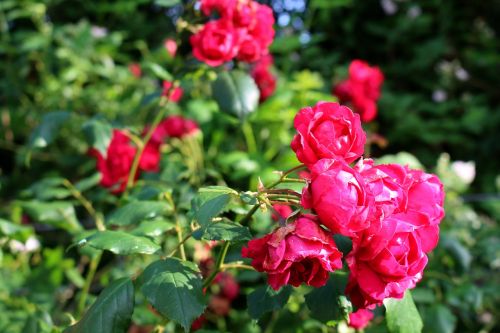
pixel 115 167
pixel 360 319
pixel 175 95
pixel 387 263
pixel 328 130
pixel 265 80
pixel 216 43
pixel 172 127
pixel 361 89
pixel 135 69
pixel 223 7
pixel 250 49
pixel 228 285
pixel 263 30
pixel 300 252
pixel 340 197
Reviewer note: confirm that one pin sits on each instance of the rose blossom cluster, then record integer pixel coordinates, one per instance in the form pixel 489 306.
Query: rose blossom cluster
pixel 391 213
pixel 264 78
pixel 361 90
pixel 244 30
pixel 116 164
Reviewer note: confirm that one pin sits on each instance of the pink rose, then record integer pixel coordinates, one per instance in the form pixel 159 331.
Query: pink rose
pixel 216 43
pixel 175 95
pixel 425 195
pixel 170 46
pixel 387 263
pixel 340 197
pixel 361 89
pixel 327 130
pixel 360 319
pixel 300 252
pixel 281 212
pixel 173 127
pixel 135 69
pixel 250 49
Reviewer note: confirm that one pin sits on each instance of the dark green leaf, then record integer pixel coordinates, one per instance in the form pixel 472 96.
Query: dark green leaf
pixel 459 252
pixel 120 242
pixel 402 315
pixel 48 189
pixel 159 71
pixel 98 134
pixel 236 93
pixel 209 202
pixel 265 299
pixel 223 231
pixel 323 302
pixel 137 211
pixel 111 312
pixel 60 214
pixel 174 288
pixel 89 182
pixel 439 319
pixel 48 128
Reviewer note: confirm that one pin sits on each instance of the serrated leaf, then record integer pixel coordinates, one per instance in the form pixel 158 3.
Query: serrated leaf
pixel 229 231
pixel 98 134
pixel 153 228
pixel 402 315
pixel 111 312
pixel 236 93
pixel 174 288
pixel 137 211
pixel 323 302
pixel 265 299
pixel 60 214
pixel 120 242
pixel 209 203
pixel 48 128
pixel 48 189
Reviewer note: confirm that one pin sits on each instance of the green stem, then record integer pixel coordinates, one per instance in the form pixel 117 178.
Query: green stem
pixel 99 222
pixel 247 217
pixel 140 149
pixel 94 263
pixel 236 265
pixel 178 227
pixel 284 174
pixel 218 264
pixel 249 137
pixel 181 244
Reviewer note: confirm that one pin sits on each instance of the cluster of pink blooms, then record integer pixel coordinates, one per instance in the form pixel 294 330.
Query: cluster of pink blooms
pixel 115 166
pixel 244 30
pixel 263 77
pixel 361 90
pixel 391 213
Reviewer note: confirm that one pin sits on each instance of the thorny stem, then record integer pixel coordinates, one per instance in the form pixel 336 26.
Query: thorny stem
pixel 140 149
pixel 86 204
pixel 218 264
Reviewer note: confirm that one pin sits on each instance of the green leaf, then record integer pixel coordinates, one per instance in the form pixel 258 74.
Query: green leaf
pixel 120 242
pixel 230 231
pixel 236 93
pixel 439 319
pixel 167 3
pixel 159 71
pixel 209 202
pixel 89 182
pixel 174 288
pixel 111 312
pixel 265 299
pixel 153 228
pixel 60 214
pixel 137 211
pixel 14 231
pixel 460 253
pixel 402 315
pixel 98 134
pixel 48 189
pixel 48 128
pixel 323 302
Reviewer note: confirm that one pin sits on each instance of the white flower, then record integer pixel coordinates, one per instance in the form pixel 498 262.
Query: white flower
pixel 466 171
pixel 439 96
